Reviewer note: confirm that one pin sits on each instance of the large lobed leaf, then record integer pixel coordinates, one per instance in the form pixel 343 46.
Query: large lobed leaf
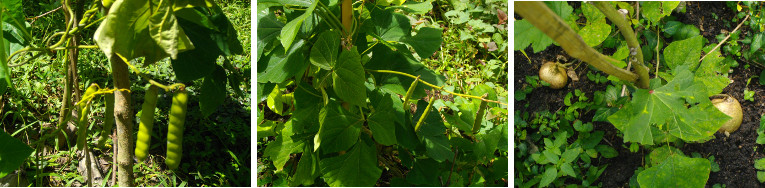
pixel 13 154
pixel 348 78
pixel 666 108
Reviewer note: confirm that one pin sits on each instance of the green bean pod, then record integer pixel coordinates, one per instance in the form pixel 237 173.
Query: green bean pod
pixel 82 124
pixel 143 141
pixel 410 92
pixel 108 120
pixel 175 129
pixel 479 116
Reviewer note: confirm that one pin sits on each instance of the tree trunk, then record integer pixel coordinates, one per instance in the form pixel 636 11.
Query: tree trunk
pixel 123 116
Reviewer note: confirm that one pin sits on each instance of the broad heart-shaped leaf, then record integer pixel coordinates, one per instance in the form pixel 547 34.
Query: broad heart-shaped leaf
pixel 213 91
pixel 415 7
pixel 280 149
pixel 486 143
pixel 671 27
pixel 676 171
pixel 290 30
pixel 339 128
pixel 307 168
pixel 388 25
pixel 424 172
pixel 268 29
pixel 200 62
pixel 526 34
pixel 432 132
pixel 13 154
pixel 125 30
pixel 166 31
pixel 381 120
pixel 400 60
pixel 595 33
pixel 592 14
pixel 561 8
pixel 666 106
pixel 357 167
pixel 348 78
pixel 5 75
pixel 279 66
pixel 684 52
pixel 653 11
pixel 426 42
pixel 324 51
pixel 308 103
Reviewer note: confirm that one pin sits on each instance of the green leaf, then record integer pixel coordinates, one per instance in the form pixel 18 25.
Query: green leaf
pixel 570 154
pixel 432 134
pixel 280 65
pixel 622 53
pixel 268 29
pixel 661 154
pixel 676 171
pixel 290 30
pixel 561 8
pixel 687 31
pixel 388 25
pixel 761 176
pixel 549 176
pixel 487 142
pixel 166 31
pixel 653 11
pixel 667 106
pixel 308 103
pixel 307 168
pixel 348 78
pixel 213 92
pixel 414 7
pixel 339 129
pixel 426 42
pixel 13 154
pixel 526 34
pixel 684 52
pixel 759 164
pixel 709 72
pixel 762 78
pixel 280 149
pixel 5 75
pixel 381 120
pixel 424 172
pixel 125 30
pixel 202 60
pixel 400 60
pixel 324 51
pixel 405 135
pixel 592 14
pixel 761 131
pixel 756 43
pixel 595 33
pixel 567 169
pixel 606 151
pixel 357 167
pixel 671 27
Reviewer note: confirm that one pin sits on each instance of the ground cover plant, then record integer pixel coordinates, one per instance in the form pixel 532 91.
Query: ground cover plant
pixel 643 104
pixel 77 75
pixel 382 93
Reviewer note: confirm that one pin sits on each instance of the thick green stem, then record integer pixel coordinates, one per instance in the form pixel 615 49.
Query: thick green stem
pixel 624 26
pixel 544 19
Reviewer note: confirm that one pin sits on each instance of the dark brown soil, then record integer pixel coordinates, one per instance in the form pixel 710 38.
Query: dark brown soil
pixel 735 154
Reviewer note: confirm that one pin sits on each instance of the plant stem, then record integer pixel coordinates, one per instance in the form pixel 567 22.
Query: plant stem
pixel 434 86
pixel 629 35
pixel 539 15
pixel 123 117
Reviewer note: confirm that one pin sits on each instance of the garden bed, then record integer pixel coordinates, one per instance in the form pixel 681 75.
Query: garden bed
pixel 735 154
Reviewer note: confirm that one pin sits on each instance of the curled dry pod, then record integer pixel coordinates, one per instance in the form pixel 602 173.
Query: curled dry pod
pixel 175 128
pixel 553 73
pixel 732 108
